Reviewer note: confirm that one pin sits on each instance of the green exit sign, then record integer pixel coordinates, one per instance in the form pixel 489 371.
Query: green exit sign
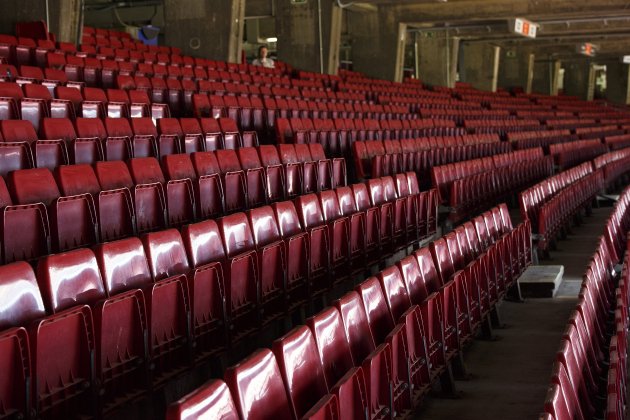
pixel 510 54
pixel 299 1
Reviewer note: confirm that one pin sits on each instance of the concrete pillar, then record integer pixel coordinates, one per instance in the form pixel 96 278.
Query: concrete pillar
pixel 438 54
pixel 378 43
pixel 480 65
pixel 301 43
pixel 618 82
pixel 546 77
pixel 579 79
pixel 205 28
pixel 516 69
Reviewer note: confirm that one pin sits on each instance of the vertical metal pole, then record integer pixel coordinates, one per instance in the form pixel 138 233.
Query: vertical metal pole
pixel 47 18
pixel 416 56
pixel 321 43
pixel 448 61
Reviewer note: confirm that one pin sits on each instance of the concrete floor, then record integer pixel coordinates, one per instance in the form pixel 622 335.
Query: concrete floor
pixel 509 377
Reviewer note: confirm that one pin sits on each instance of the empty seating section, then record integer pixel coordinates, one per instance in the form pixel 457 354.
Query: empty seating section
pixel 551 204
pixel 79 205
pixel 376 351
pixel 472 185
pixel 160 210
pixel 194 294
pixel 588 379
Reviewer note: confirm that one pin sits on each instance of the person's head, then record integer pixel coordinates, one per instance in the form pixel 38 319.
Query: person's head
pixel 262 52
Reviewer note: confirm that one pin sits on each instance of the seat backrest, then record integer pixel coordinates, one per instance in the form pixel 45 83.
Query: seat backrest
pixel 32 90
pixel 228 160
pixel 347 204
pixel 18 131
pixel 145 170
pixel 395 291
pixel 209 125
pixel 287 218
pixel 442 259
pixel 113 175
pixel 428 272
pixel 94 94
pixel 236 234
pixel 20 299
pixel 58 129
pixel 77 179
pixel 264 226
pixel 244 381
pixel 178 167
pixel 190 125
pixel 228 125
pixel 317 151
pixel 303 153
pixel 29 186
pixel 123 265
pixel 5 197
pixel 361 196
pixel 389 189
pixel 269 155
pixel 356 326
pixel 248 156
pixel 91 127
pixel 165 253
pixel 376 310
pixel 10 90
pixel 143 127
pixel 287 153
pixel 117 95
pixel 330 205
pixel 203 243
pixel 414 283
pixel 205 163
pixel 210 401
pixel 332 344
pixel 118 127
pixel 309 210
pixel 170 126
pixel 377 193
pixel 301 368
pixel 69 279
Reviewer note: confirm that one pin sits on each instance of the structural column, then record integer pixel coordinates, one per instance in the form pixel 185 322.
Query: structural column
pixel 579 79
pixel 205 28
pixel 479 65
pixel 618 82
pixel 516 69
pixel 309 34
pixel 546 77
pixel 437 56
pixel 378 43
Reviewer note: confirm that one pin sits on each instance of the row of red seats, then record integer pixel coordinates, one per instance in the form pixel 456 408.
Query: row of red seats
pixel 444 176
pixel 614 164
pixel 380 157
pixel 81 205
pixel 555 214
pixel 541 138
pixel 33 101
pixel 567 155
pixel 88 140
pixel 377 350
pixel 531 199
pixel 473 193
pixel 617 142
pixel 193 295
pixel 589 375
pixel 337 135
pixel 599 132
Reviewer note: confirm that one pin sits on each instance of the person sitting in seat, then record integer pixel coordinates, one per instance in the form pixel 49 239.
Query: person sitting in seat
pixel 262 59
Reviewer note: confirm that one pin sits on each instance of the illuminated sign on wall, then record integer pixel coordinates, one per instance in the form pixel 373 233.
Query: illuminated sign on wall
pixel 523 27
